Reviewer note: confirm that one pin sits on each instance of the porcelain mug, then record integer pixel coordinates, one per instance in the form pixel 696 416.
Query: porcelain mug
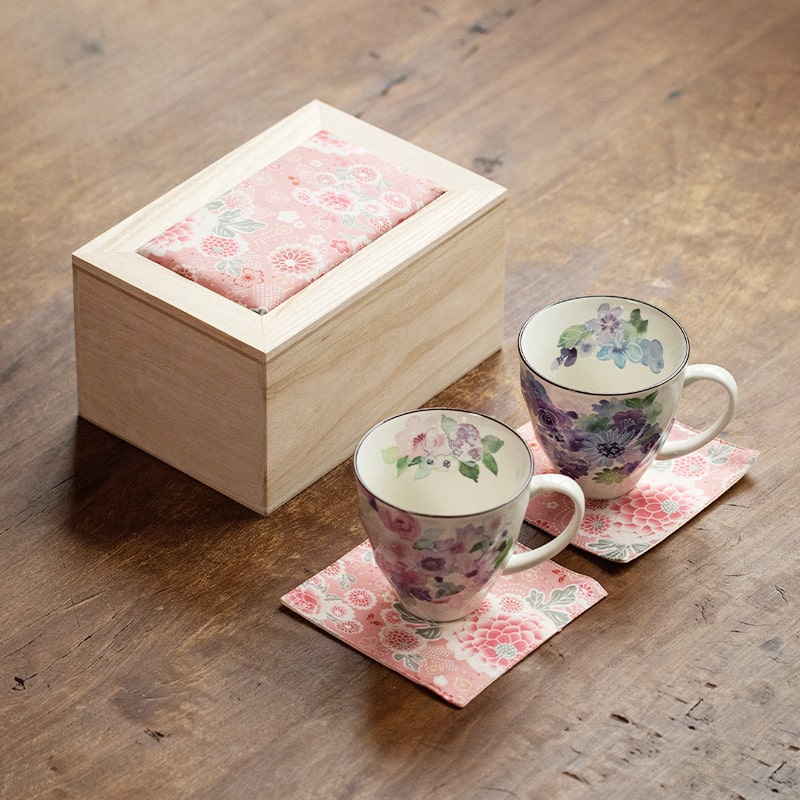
pixel 442 494
pixel 602 377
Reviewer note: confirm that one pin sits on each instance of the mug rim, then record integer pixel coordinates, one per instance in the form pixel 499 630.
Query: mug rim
pixel 648 388
pixel 525 486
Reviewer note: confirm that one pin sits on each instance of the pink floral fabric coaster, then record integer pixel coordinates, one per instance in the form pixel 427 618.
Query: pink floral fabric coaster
pixel 457 660
pixel 280 229
pixel 668 495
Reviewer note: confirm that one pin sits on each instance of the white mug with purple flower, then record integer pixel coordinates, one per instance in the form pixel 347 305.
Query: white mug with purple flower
pixel 602 377
pixel 442 494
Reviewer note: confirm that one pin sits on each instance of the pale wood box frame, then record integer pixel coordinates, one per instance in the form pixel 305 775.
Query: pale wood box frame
pixel 260 406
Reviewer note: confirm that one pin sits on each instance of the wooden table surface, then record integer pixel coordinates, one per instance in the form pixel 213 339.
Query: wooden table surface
pixel 649 149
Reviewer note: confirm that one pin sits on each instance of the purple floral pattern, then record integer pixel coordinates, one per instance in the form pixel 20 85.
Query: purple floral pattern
pixel 432 564
pixel 609 337
pixel 431 443
pixel 609 443
pixel 666 497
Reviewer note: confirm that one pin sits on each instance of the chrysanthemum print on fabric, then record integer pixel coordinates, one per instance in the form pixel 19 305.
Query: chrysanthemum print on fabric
pixel 666 497
pixel 352 600
pixel 283 227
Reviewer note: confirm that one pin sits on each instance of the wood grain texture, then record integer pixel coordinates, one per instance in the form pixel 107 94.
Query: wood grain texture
pixel 651 149
pixel 226 395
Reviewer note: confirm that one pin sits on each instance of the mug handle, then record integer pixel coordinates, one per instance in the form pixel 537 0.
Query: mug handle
pixel 551 483
pixel 699 372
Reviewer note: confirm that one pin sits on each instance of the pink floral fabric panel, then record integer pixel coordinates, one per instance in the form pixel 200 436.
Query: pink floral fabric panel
pixel 668 495
pixel 280 229
pixel 457 660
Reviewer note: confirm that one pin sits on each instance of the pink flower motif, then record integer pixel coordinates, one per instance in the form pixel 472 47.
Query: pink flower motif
pixel 397 200
pixel 349 627
pixel 249 277
pixel 295 259
pixel 174 238
pixel 595 523
pixel 336 201
pixel 400 640
pixel 380 225
pixel 325 179
pixel 512 603
pixel 306 600
pixel 219 246
pixel 341 611
pixel 341 246
pixel 364 173
pixel 333 571
pixel 236 200
pixel 654 509
pixel 185 271
pixel 694 465
pixel 400 522
pixel 361 598
pixel 391 616
pixel 502 640
pixel 586 591
pixel 303 196
pixel 421 437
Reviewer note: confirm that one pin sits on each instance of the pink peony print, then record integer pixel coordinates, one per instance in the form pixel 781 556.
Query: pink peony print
pixel 502 640
pixel 655 508
pixel 307 600
pixel 400 522
pixel 422 437
pixel 295 259
pixel 219 246
pixel 336 201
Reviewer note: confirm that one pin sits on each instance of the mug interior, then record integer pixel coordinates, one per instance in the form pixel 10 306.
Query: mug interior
pixel 604 345
pixel 443 462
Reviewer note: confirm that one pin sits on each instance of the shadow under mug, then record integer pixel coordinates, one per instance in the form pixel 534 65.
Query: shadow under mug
pixel 442 495
pixel 602 377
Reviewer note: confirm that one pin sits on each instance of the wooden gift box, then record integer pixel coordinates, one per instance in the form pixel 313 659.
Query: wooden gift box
pixel 260 406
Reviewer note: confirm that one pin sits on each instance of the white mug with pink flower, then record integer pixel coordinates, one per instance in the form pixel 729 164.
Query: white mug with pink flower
pixel 442 496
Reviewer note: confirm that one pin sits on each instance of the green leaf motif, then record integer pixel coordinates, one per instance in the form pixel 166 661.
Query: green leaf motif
pixel 507 545
pixel 571 336
pixel 449 425
pixel 566 596
pixel 423 472
pixel 492 443
pixel 614 551
pixel 390 455
pixel 637 322
pixel 490 463
pixel 469 470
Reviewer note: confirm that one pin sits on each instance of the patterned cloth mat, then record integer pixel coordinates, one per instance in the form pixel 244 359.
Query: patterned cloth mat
pixel 457 660
pixel 669 494
pixel 292 221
